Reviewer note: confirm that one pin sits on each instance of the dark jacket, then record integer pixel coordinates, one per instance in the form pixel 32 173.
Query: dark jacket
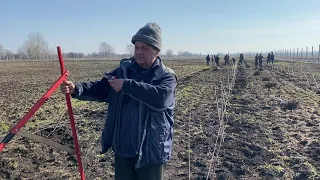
pixel 241 57
pixel 208 58
pixel 156 102
pixel 260 57
pixel 272 57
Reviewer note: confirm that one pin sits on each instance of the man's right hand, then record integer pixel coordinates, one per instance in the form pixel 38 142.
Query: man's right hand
pixel 67 87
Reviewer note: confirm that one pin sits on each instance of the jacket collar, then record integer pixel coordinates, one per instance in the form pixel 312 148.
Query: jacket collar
pixel 158 68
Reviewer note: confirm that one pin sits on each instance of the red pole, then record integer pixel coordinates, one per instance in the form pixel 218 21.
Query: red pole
pixel 72 123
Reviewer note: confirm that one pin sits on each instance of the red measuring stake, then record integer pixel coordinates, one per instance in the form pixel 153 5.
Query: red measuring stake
pixel 72 123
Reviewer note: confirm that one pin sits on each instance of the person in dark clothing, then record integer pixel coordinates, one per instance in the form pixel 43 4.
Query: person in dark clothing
pixel 234 61
pixel 226 59
pixel 208 60
pixel 241 59
pixel 256 60
pixel 260 60
pixel 217 59
pixel 272 58
pixel 141 102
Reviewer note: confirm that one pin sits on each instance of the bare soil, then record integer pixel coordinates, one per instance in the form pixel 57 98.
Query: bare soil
pixel 271 129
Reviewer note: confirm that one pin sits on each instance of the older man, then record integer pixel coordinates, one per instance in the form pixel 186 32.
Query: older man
pixel 139 125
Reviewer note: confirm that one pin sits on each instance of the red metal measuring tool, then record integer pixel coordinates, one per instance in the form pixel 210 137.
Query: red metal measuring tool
pixel 15 130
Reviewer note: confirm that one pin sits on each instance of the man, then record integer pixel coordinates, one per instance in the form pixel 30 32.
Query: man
pixel 141 99
pixel 256 60
pixel 226 59
pixel 268 58
pixel 260 60
pixel 234 61
pixel 272 58
pixel 241 59
pixel 208 60
pixel 217 59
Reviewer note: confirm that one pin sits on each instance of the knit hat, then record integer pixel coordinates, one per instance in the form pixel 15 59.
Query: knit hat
pixel 149 34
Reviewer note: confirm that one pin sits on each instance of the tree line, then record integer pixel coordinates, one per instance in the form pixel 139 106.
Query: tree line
pixel 37 47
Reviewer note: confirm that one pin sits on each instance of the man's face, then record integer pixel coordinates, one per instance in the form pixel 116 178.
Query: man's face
pixel 145 54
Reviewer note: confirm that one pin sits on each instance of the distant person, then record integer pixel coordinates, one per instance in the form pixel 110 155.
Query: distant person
pixel 226 59
pixel 241 59
pixel 234 61
pixel 141 102
pixel 260 60
pixel 217 59
pixel 256 60
pixel 272 58
pixel 208 60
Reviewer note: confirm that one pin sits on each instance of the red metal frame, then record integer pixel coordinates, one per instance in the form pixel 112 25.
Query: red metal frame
pixel 26 118
pixel 41 101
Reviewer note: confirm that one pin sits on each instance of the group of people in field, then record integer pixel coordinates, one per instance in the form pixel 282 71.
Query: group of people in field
pixel 215 60
pixel 259 58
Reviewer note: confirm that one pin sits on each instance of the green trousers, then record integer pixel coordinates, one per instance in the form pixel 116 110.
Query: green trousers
pixel 124 170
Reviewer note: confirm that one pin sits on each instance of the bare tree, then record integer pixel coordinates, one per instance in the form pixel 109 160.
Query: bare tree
pixel 36 46
pixel 106 49
pixel 21 53
pixel 94 54
pixel 9 54
pixel 169 53
pixel 53 54
pixel 184 53
pixel 130 49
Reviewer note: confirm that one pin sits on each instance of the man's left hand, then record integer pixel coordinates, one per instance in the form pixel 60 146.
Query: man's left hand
pixel 117 84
